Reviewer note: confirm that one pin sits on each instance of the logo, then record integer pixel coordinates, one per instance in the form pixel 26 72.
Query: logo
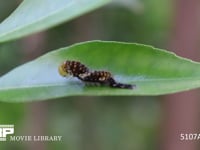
pixel 6 130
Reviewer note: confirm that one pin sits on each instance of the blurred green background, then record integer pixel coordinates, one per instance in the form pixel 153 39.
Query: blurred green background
pixel 89 123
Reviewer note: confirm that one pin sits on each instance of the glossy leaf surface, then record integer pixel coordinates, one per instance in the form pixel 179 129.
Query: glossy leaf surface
pixel 153 71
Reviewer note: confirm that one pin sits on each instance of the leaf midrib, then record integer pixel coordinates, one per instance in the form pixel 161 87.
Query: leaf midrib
pixel 64 83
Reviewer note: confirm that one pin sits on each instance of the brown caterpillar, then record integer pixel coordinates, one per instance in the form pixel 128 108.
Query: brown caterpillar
pixel 79 70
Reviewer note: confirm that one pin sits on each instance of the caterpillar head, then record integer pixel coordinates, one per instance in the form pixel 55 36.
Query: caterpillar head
pixel 74 68
pixel 64 69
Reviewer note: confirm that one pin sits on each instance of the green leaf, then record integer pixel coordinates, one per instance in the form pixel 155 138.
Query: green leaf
pixel 153 71
pixel 36 15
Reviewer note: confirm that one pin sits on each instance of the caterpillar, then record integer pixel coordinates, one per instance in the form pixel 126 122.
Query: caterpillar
pixel 79 70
